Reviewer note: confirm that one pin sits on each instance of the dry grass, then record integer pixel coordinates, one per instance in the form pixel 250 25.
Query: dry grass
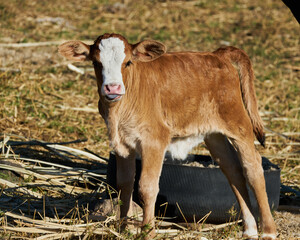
pixel 51 191
pixel 42 98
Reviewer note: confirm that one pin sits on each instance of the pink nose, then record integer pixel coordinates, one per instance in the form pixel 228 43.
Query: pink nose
pixel 111 89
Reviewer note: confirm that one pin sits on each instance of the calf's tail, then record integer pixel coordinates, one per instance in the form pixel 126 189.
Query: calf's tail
pixel 241 59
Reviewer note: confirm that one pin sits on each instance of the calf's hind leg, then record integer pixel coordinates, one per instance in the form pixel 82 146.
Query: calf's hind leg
pixel 253 172
pixel 225 155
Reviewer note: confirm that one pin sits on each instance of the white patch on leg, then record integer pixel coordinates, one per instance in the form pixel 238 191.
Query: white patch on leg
pixel 251 233
pixel 112 55
pixel 251 230
pixel 268 235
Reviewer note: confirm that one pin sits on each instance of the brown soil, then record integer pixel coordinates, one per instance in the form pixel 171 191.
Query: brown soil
pixel 288 224
pixel 41 98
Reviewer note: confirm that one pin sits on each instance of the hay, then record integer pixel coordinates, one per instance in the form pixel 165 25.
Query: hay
pixel 51 200
pixel 42 99
pixel 47 188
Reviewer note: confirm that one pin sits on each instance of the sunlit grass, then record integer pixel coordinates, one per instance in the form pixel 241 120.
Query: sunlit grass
pixel 41 98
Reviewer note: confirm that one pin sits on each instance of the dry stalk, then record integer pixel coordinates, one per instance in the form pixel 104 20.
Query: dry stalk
pixel 220 226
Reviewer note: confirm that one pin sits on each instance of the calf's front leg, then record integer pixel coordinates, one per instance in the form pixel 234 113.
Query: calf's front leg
pixel 125 181
pixel 152 159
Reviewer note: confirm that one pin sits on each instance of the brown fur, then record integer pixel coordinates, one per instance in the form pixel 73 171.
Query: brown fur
pixel 240 58
pixel 174 96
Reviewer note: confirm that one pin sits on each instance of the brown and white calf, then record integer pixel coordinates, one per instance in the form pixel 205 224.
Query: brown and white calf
pixel 155 101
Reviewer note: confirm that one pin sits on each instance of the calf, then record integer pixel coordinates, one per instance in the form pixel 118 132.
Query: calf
pixel 153 101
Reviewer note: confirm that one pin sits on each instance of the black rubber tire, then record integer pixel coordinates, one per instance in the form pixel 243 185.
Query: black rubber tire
pixel 199 190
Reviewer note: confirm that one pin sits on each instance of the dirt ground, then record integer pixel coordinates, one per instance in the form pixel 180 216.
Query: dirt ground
pixel 42 98
pixel 288 225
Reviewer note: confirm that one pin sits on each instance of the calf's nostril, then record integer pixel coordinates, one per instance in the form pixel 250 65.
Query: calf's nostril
pixel 106 88
pixel 113 88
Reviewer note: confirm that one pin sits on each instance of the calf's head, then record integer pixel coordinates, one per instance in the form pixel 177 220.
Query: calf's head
pixel 112 55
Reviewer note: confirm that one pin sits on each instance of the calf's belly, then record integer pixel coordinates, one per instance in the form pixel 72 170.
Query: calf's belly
pixel 180 147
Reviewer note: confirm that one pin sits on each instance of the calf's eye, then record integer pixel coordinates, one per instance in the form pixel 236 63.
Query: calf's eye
pixel 128 64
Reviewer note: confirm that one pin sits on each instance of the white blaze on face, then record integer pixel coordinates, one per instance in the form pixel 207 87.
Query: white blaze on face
pixel 112 55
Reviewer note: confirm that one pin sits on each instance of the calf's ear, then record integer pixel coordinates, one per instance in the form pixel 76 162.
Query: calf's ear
pixel 148 50
pixel 75 50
